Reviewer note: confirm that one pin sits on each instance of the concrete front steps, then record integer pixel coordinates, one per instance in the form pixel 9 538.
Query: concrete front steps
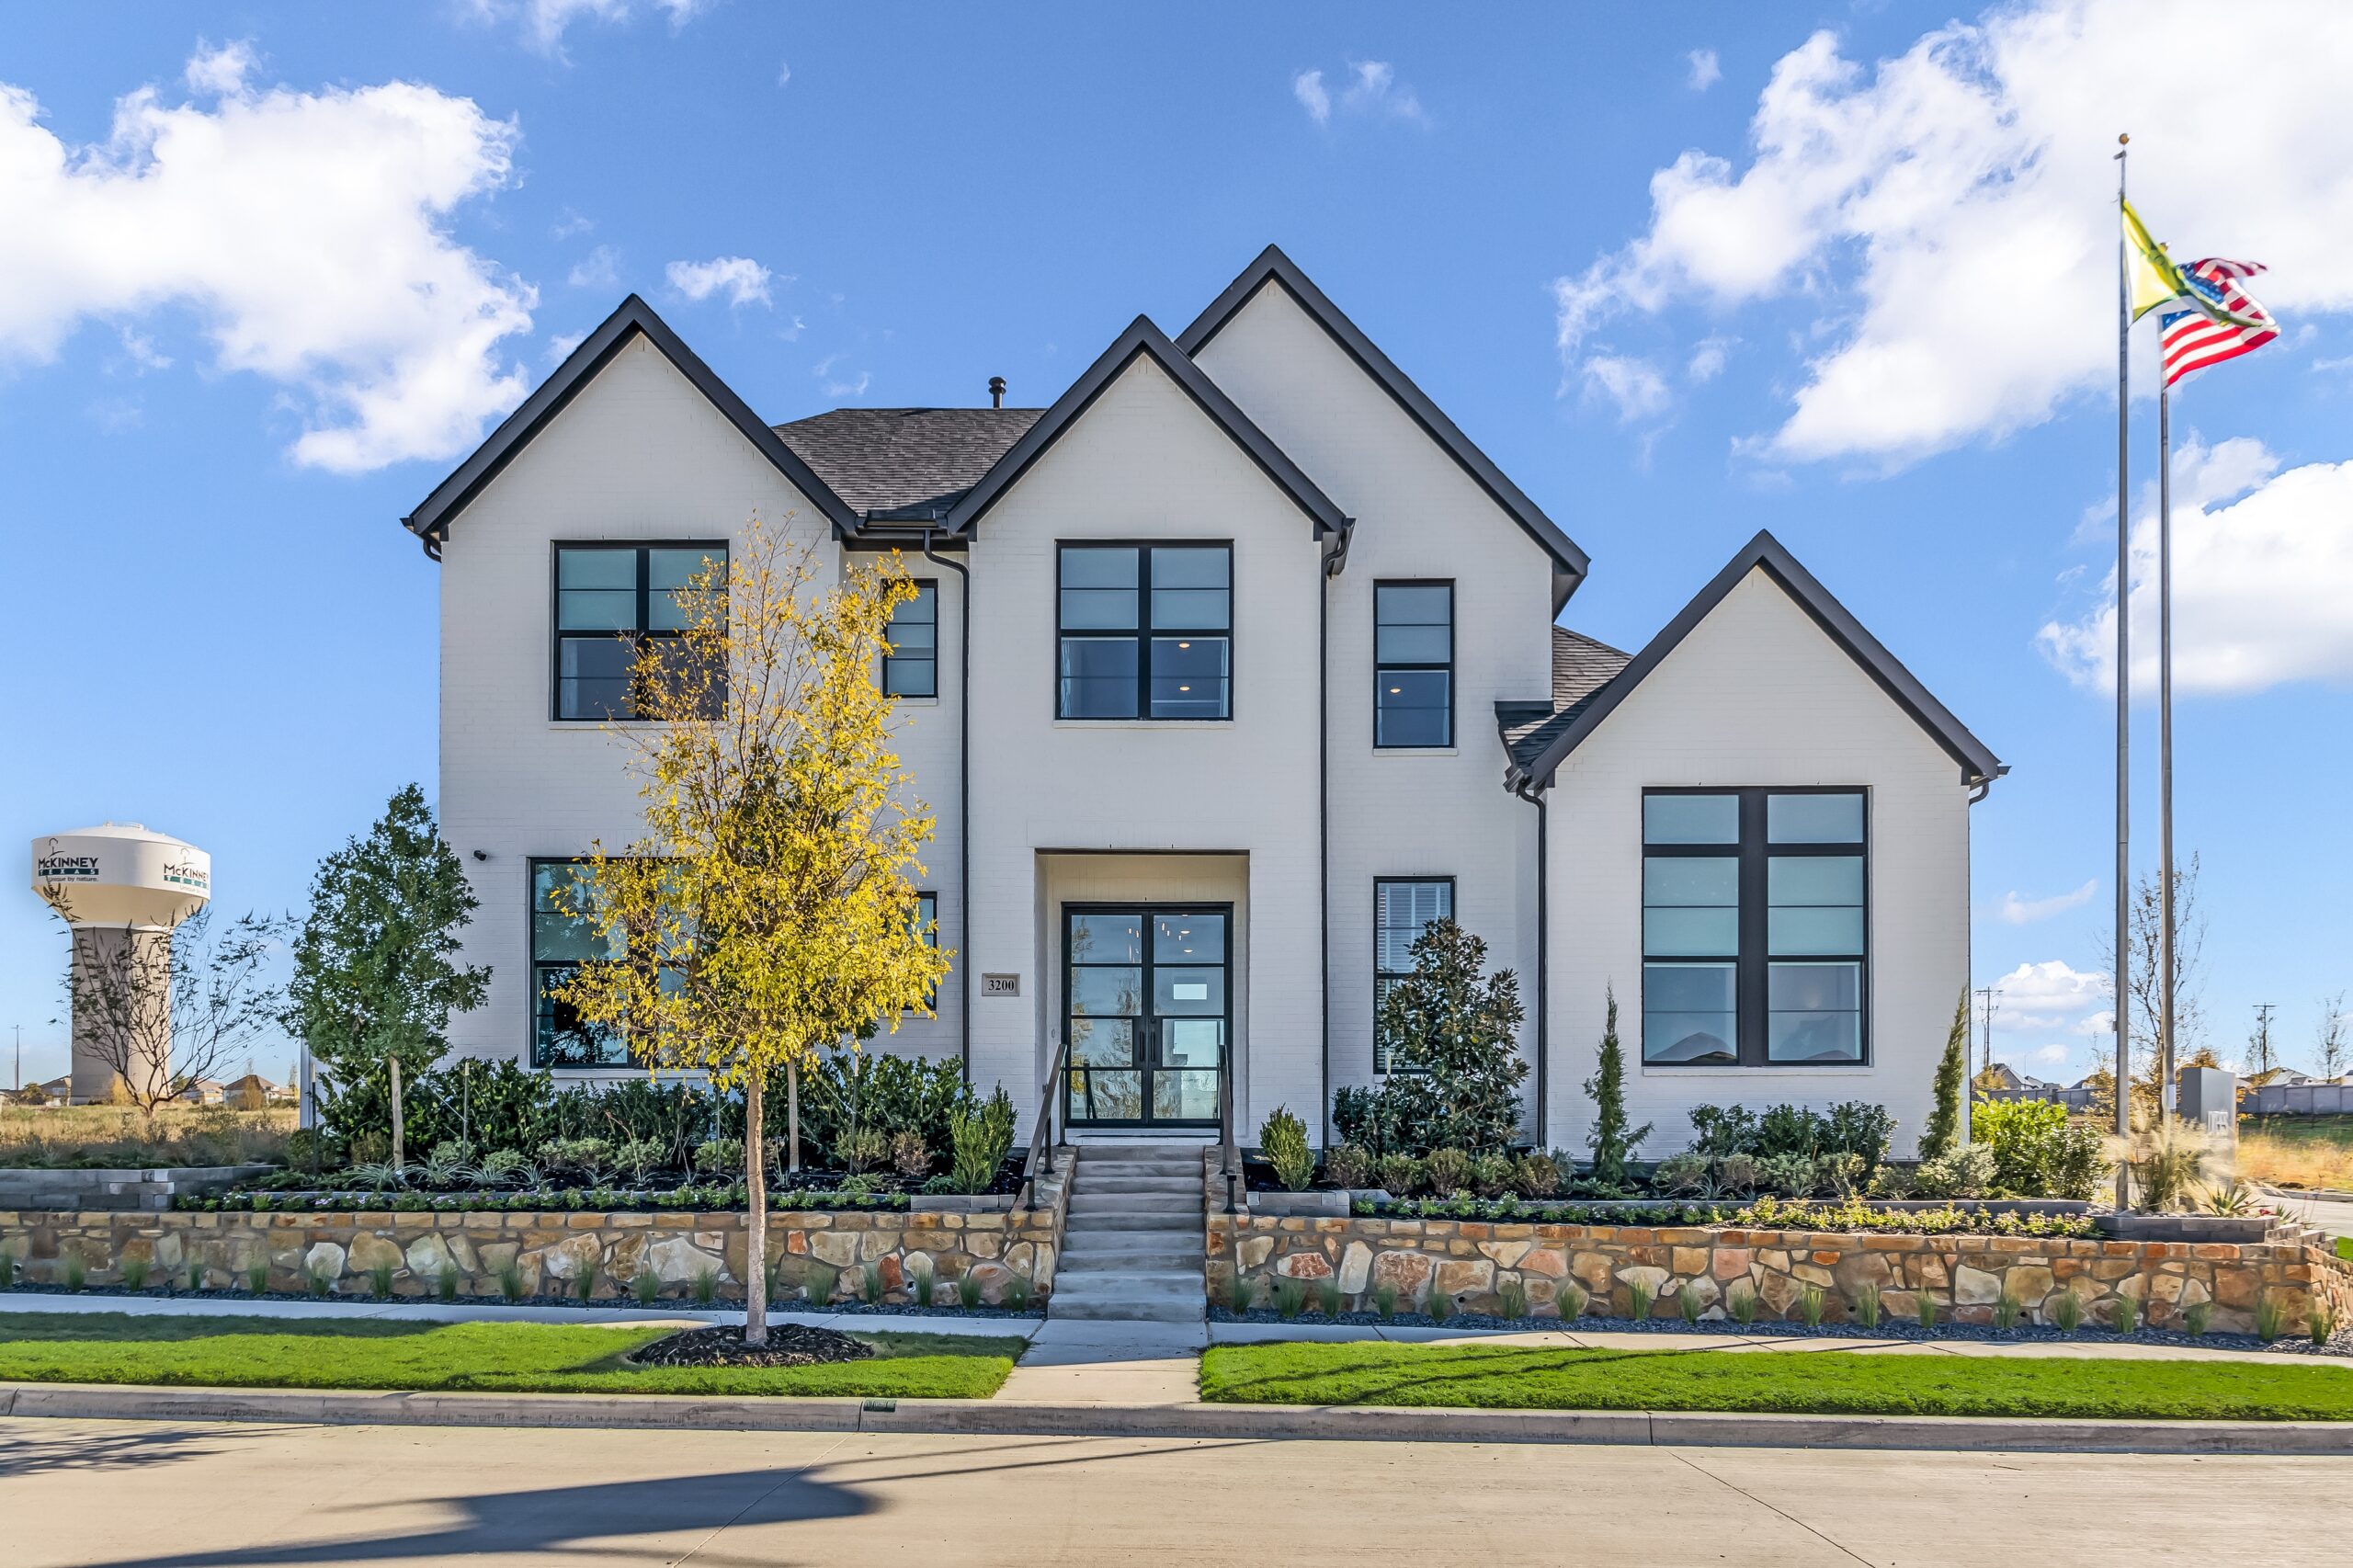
pixel 1132 1236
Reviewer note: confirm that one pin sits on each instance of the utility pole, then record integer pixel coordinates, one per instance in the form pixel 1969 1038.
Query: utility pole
pixel 1986 1002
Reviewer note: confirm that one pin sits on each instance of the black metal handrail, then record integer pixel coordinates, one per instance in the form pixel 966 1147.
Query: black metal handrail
pixel 1229 1153
pixel 1042 1139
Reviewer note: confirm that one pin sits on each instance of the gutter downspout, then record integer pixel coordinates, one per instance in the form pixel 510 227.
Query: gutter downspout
pixel 963 796
pixel 1335 560
pixel 1535 797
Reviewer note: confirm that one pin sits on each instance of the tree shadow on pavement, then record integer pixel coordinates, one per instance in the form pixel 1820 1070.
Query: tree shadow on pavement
pixel 22 1454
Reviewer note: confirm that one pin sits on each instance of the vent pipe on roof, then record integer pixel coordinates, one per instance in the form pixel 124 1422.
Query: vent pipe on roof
pixel 996 392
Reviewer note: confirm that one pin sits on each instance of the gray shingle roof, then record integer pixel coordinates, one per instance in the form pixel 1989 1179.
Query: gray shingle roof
pixel 881 460
pixel 1581 667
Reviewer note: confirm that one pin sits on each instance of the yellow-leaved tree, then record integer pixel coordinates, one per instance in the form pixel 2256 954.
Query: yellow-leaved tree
pixel 768 911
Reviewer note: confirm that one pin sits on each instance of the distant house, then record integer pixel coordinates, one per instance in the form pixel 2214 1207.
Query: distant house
pixel 252 1092
pixel 2008 1083
pixel 205 1091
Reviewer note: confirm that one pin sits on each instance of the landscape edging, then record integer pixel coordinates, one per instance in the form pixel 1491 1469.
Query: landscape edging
pixel 1259 1422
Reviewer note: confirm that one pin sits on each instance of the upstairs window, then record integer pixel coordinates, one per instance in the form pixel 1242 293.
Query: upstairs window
pixel 1413 656
pixel 1755 927
pixel 613 602
pixel 1402 911
pixel 1145 631
pixel 912 666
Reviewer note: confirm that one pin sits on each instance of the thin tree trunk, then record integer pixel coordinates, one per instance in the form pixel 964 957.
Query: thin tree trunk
pixel 793 1116
pixel 756 1228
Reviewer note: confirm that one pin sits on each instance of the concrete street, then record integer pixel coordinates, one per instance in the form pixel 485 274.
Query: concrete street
pixel 112 1494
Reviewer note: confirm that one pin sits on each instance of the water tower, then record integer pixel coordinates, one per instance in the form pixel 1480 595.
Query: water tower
pixel 121 890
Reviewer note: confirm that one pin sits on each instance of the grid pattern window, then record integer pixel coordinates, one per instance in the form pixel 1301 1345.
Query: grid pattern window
pixel 1402 911
pixel 1145 631
pixel 927 928
pixel 912 666
pixel 561 942
pixel 1755 927
pixel 612 603
pixel 1413 655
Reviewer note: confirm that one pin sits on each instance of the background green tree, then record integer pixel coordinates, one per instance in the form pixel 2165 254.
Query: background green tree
pixel 375 963
pixel 1462 1028
pixel 1948 1125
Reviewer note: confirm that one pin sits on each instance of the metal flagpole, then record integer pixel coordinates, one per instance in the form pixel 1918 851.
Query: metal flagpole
pixel 2165 746
pixel 2124 685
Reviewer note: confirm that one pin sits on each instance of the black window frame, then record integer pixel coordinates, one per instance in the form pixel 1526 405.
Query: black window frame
pixel 1381 1066
pixel 638 633
pixel 1144 631
pixel 927 922
pixel 893 659
pixel 1753 964
pixel 1381 667
pixel 540 1059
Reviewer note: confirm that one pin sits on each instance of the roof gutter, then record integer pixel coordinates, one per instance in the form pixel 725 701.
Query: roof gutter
pixel 963 796
pixel 1529 790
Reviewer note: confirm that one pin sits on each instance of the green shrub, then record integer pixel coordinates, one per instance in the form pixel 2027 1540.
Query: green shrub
pixel 258 1276
pixel 1740 1302
pixel 1574 1300
pixel 1282 1139
pixel 1329 1300
pixel 1018 1292
pixel 1400 1175
pixel 134 1274
pixel 1812 1305
pixel 445 1284
pixel 1682 1174
pixel 980 1138
pixel 1291 1295
pixel 322 1282
pixel 910 1156
pixel 194 1275
pixel 1867 1305
pixel 1924 1309
pixel 379 1281
pixel 1737 1173
pixel 587 1158
pixel 1842 1173
pixel 1448 1171
pixel 820 1282
pixel 646 1286
pixel 2196 1317
pixel 1792 1174
pixel 77 1273
pixel 885 1094
pixel 1690 1302
pixel 1491 1175
pixel 2006 1312
pixel 2067 1312
pixel 1395 1118
pixel 1612 1138
pixel 2321 1321
pixel 1511 1298
pixel 720 1156
pixel 1458 1028
pixel 967 1290
pixel 2270 1317
pixel 1535 1176
pixel 1437 1304
pixel 870 1284
pixel 510 1283
pixel 2038 1152
pixel 1964 1172
pixel 584 1284
pixel 1238 1291
pixel 639 1157
pixel 507 1167
pixel 1348 1166
pixel 2124 1314
pixel 859 1149
pixel 706 1288
pixel 919 1279
pixel 1384 1300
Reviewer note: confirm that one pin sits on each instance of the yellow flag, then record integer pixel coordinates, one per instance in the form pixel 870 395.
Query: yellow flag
pixel 2151 279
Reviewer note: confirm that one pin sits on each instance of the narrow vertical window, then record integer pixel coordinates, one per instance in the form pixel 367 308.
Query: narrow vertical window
pixel 1145 631
pixel 1402 911
pixel 1413 655
pixel 927 928
pixel 613 603
pixel 1814 927
pixel 912 666
pixel 562 940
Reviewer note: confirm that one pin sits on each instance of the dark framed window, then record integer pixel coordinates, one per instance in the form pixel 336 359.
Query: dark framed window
pixel 611 602
pixel 1403 908
pixel 1755 927
pixel 912 666
pixel 1413 658
pixel 560 943
pixel 927 928
pixel 1145 631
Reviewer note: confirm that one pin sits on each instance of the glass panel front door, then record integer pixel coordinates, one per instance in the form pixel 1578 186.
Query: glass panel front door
pixel 1148 1012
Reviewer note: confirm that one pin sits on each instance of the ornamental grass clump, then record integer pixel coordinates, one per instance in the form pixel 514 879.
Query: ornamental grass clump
pixel 195 1275
pixel 77 1273
pixel 2006 1313
pixel 1691 1304
pixel 445 1284
pixel 510 1283
pixel 1328 1299
pixel 380 1281
pixel 1238 1291
pixel 919 1281
pixel 2196 1318
pixel 967 1290
pixel 584 1284
pixel 322 1282
pixel 706 1288
pixel 134 1274
pixel 1291 1295
pixel 1511 1298
pixel 2124 1314
pixel 1439 1305
pixel 646 1286
pixel 822 1280
pixel 257 1276
pixel 871 1289
pixel 1018 1292
pixel 1741 1303
pixel 2271 1318
pixel 1867 1306
pixel 2067 1312
pixel 1924 1308
pixel 1573 1301
pixel 8 1270
pixel 2321 1322
pixel 1812 1305
pixel 1384 1300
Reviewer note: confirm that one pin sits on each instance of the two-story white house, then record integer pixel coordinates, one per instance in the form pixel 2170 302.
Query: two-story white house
pixel 1228 672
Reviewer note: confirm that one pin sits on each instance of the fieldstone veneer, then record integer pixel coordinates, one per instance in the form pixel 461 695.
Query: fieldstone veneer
pixel 1631 1267
pixel 550 1250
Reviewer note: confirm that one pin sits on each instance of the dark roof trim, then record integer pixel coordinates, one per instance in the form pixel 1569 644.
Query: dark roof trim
pixel 1978 764
pixel 1145 340
pixel 1273 266
pixel 431 519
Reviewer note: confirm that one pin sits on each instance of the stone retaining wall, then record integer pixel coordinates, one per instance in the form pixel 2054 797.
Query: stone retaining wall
pixel 551 1251
pixel 1635 1269
pixel 24 1186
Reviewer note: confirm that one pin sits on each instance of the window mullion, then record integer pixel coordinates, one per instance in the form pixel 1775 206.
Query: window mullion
pixel 1753 970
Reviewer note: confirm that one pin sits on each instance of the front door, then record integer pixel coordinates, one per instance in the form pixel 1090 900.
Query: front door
pixel 1148 1013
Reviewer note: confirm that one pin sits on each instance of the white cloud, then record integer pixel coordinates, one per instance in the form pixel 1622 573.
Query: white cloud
pixel 1707 357
pixel 783 73
pixel 600 268
pixel 743 280
pixel 1947 215
pixel 221 70
pixel 2038 997
pixel 2260 582
pixel 791 334
pixel 543 23
pixel 142 352
pixel 572 224
pixel 1633 385
pixel 2026 911
pixel 1706 72
pixel 1373 89
pixel 306 233
pixel 2050 1055
pixel 560 346
pixel 1308 89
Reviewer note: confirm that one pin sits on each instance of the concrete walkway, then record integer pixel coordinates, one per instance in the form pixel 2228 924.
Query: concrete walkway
pixel 1081 1362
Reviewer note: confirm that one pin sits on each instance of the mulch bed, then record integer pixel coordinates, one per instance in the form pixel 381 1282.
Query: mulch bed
pixel 789 1345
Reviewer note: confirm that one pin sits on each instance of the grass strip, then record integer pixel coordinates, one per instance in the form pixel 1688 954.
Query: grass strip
pixel 1805 1382
pixel 471 1357
pixel 2345 1248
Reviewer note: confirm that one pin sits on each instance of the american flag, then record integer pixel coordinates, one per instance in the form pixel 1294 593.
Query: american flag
pixel 2227 321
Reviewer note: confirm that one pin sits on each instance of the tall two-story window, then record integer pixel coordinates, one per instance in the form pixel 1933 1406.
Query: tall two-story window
pixel 912 666
pixel 1402 911
pixel 1145 631
pixel 927 928
pixel 561 942
pixel 1755 926
pixel 612 602
pixel 1413 656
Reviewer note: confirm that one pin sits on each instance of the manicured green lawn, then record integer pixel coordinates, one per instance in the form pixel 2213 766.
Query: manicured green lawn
pixel 115 1347
pixel 1803 1383
pixel 2345 1247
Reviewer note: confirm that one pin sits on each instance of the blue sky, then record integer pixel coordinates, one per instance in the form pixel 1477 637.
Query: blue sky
pixel 1843 273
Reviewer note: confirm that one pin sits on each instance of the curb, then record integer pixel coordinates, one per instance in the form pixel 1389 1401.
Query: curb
pixel 1261 1423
